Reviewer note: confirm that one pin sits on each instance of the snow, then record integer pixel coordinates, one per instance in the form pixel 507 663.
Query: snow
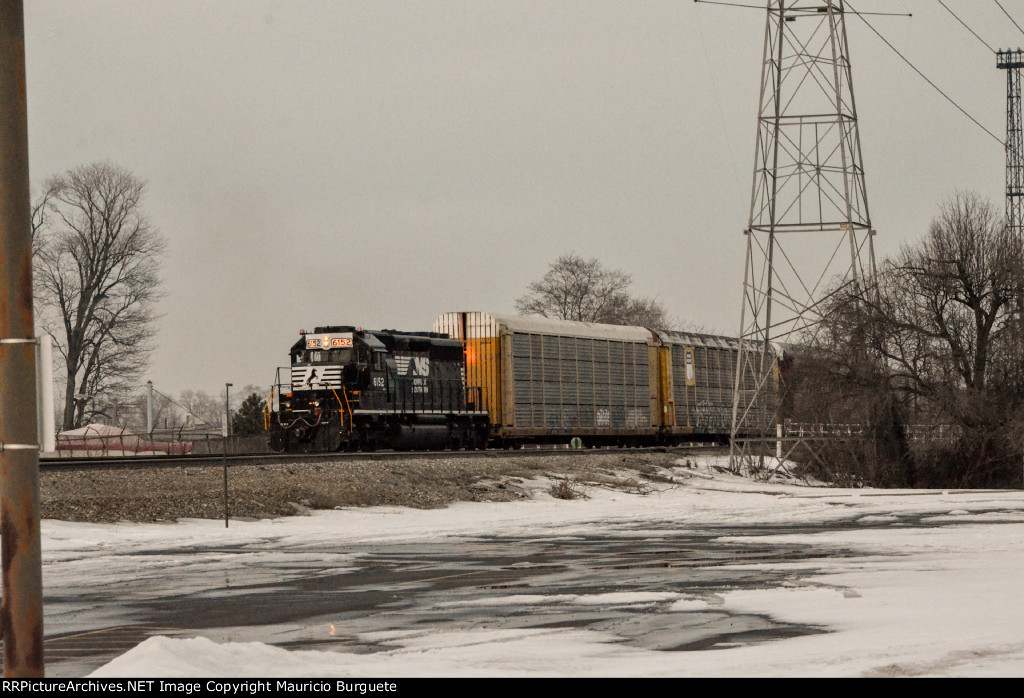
pixel 940 596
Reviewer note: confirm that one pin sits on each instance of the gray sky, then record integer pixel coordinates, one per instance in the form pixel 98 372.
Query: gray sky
pixel 380 163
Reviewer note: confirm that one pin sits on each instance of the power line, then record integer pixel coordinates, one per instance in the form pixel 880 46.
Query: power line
pixel 925 78
pixel 729 4
pixel 966 27
pixel 1008 17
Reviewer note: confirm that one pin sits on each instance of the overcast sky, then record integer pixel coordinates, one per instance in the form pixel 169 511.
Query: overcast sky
pixel 380 163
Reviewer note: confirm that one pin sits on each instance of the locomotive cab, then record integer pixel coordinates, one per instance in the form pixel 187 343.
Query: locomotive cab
pixel 317 370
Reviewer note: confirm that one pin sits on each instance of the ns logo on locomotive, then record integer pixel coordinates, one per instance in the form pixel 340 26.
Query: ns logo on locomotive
pixel 480 378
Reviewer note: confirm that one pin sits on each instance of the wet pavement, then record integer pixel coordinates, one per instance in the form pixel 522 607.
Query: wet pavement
pixel 324 598
pixel 626 581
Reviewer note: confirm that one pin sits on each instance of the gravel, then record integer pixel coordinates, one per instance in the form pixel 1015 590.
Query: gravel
pixel 264 491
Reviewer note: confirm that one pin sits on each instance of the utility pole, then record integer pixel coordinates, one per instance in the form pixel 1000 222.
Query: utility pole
pixel 21 616
pixel 809 226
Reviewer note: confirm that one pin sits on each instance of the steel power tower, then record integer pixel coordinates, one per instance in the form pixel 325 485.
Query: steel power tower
pixel 809 230
pixel 1011 62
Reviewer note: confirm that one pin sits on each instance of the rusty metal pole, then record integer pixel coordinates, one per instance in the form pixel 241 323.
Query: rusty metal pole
pixel 21 616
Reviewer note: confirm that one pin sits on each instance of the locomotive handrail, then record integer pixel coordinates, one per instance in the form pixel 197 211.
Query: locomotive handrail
pixel 478 403
pixel 347 407
pixel 267 409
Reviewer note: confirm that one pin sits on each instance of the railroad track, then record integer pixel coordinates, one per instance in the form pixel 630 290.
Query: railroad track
pixel 113 462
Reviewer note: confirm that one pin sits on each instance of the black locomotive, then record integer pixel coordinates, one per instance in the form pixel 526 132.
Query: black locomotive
pixel 355 389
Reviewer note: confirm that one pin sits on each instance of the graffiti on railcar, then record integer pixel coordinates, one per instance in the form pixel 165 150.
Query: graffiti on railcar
pixel 708 418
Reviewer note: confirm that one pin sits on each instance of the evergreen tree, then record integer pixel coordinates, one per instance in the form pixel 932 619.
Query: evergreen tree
pixel 248 420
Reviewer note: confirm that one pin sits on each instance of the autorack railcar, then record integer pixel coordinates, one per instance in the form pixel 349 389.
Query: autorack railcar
pixel 548 380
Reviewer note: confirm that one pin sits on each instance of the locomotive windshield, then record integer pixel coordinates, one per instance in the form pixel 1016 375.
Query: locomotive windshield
pixel 317 356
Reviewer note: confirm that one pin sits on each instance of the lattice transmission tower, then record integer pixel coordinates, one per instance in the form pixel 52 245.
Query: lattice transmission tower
pixel 809 230
pixel 1012 62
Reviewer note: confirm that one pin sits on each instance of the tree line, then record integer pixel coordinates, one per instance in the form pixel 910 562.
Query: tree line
pixel 188 411
pixel 928 358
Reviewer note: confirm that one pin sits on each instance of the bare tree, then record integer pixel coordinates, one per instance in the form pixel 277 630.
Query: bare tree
pixel 205 410
pixel 96 260
pixel 133 411
pixel 944 317
pixel 583 290
pixel 943 322
pixel 201 409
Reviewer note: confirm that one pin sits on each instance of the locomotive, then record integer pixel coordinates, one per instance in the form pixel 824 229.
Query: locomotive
pixel 356 389
pixel 480 378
